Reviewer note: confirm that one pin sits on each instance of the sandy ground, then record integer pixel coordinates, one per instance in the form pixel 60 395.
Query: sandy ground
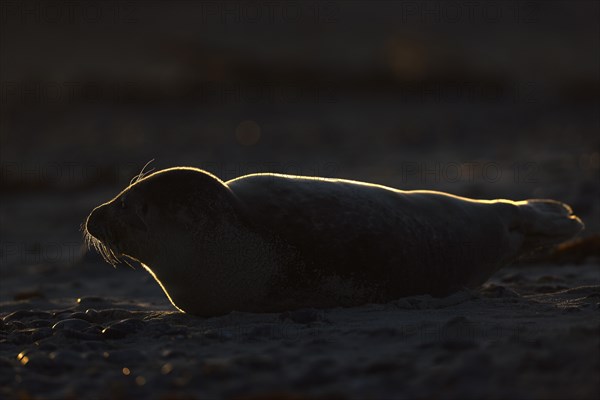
pixel 76 328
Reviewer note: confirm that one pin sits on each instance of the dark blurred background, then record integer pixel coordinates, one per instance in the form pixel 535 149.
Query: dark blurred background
pixel 494 99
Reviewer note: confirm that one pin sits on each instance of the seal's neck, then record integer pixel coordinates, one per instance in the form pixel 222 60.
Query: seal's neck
pixel 226 269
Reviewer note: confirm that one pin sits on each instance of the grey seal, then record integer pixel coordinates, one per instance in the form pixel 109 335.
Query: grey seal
pixel 273 242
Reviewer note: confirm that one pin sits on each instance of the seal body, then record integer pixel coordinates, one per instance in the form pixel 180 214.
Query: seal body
pixel 271 242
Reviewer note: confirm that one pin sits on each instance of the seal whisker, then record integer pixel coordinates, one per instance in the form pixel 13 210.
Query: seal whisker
pixel 106 252
pixel 124 259
pixel 142 174
pixel 87 239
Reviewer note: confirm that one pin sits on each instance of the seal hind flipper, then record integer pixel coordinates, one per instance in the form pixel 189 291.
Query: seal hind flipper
pixel 545 222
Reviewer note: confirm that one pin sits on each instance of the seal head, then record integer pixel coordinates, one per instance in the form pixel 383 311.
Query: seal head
pixel 190 232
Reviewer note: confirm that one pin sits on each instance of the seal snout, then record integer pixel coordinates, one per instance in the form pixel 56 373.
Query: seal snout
pixel 94 225
pixel 98 237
